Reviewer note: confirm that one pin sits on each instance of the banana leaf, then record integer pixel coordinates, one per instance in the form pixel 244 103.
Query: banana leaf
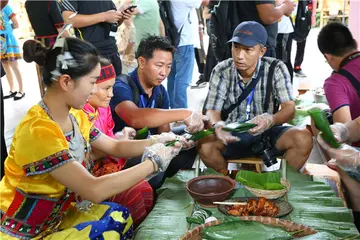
pixel 320 236
pixel 316 205
pixel 167 220
pixel 235 127
pixel 301 117
pixel 244 230
pixel 267 181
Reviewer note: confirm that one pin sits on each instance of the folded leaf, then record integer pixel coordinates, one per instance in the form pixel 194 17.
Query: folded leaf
pixel 142 133
pixel 266 181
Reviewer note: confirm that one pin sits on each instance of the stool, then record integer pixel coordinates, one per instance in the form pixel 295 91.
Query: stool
pixel 250 160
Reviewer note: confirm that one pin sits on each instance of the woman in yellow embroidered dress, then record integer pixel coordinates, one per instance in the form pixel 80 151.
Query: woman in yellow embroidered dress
pixel 46 172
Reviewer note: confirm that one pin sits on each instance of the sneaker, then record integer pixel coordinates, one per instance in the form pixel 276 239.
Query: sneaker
pixel 299 73
pixel 200 83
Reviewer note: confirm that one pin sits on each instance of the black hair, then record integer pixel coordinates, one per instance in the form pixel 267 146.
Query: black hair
pixel 85 54
pixel 151 43
pixel 336 39
pixel 104 62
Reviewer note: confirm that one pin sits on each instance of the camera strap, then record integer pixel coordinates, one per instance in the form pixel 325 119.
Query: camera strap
pixel 245 93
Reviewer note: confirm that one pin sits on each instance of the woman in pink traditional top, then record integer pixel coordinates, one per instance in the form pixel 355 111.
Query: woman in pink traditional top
pixel 140 198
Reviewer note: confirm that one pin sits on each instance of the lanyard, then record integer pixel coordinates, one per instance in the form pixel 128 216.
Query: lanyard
pixel 248 102
pixel 349 58
pixel 143 102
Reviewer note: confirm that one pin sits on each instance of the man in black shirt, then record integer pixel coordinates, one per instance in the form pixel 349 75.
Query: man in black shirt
pixel 265 12
pixel 96 22
pixel 46 20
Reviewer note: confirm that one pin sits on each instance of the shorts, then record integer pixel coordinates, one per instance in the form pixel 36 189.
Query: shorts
pixel 243 148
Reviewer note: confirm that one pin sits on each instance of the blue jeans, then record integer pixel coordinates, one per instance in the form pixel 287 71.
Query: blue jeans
pixel 180 76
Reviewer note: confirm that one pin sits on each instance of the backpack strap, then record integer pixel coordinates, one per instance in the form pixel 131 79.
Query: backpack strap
pixel 269 87
pixel 159 100
pixel 351 78
pixel 127 79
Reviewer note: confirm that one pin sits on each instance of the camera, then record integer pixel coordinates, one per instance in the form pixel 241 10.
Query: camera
pixel 265 149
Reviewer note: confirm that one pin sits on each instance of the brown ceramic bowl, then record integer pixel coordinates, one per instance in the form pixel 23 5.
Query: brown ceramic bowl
pixel 210 188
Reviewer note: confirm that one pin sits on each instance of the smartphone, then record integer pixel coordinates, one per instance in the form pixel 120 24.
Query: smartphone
pixel 130 9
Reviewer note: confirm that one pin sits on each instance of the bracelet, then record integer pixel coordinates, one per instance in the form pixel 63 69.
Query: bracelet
pixel 155 160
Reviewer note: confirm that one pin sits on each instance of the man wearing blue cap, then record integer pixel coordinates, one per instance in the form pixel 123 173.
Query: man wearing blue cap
pixel 249 87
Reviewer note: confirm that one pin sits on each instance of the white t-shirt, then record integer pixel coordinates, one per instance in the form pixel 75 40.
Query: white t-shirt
pixel 195 28
pixel 285 25
pixel 181 10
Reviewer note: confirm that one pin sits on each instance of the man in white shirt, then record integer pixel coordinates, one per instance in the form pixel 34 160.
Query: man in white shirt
pixel 284 43
pixel 183 62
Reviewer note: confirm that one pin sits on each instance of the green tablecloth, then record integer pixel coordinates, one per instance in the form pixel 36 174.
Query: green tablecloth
pixel 315 204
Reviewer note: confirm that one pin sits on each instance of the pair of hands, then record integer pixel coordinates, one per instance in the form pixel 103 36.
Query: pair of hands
pixel 346 156
pixel 195 122
pixel 166 154
pixel 114 16
pixel 263 121
pixel 288 7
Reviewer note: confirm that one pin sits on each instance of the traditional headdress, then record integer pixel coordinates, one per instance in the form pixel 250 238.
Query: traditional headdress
pixel 107 73
pixel 64 60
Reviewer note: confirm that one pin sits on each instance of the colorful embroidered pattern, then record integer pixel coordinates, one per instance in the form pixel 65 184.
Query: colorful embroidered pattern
pixel 29 215
pixel 48 164
pixel 106 73
pixel 94 134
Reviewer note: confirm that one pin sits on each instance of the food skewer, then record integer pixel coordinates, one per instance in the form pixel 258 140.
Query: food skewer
pixel 231 203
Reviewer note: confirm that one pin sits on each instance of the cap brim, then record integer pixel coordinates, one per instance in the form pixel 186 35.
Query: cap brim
pixel 243 41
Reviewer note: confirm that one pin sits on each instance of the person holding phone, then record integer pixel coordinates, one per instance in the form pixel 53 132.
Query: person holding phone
pixel 97 22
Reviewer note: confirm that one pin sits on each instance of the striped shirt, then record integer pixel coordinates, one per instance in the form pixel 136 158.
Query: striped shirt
pixel 224 89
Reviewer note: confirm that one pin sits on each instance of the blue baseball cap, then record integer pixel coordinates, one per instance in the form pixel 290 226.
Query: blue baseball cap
pixel 249 34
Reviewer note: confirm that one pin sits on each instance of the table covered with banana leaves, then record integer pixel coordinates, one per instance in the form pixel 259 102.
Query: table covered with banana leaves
pixel 315 205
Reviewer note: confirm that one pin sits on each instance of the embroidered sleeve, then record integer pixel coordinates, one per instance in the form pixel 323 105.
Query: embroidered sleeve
pixel 39 145
pixel 94 134
pixel 48 164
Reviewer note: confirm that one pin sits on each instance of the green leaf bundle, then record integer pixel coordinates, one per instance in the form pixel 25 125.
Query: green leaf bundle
pixel 264 181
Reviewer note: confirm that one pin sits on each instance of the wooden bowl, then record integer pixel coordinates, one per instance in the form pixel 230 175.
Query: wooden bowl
pixel 210 188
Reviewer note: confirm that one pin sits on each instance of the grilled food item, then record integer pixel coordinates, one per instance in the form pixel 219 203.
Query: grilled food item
pixel 260 207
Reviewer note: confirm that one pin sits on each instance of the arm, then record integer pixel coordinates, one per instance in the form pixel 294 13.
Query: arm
pixel 214 116
pixel 162 28
pixel 342 115
pixel 152 117
pixel 82 20
pixel 286 113
pixel 73 175
pixel 15 21
pixel 354 130
pixel 65 34
pixel 269 13
pixel 164 128
pixel 120 149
